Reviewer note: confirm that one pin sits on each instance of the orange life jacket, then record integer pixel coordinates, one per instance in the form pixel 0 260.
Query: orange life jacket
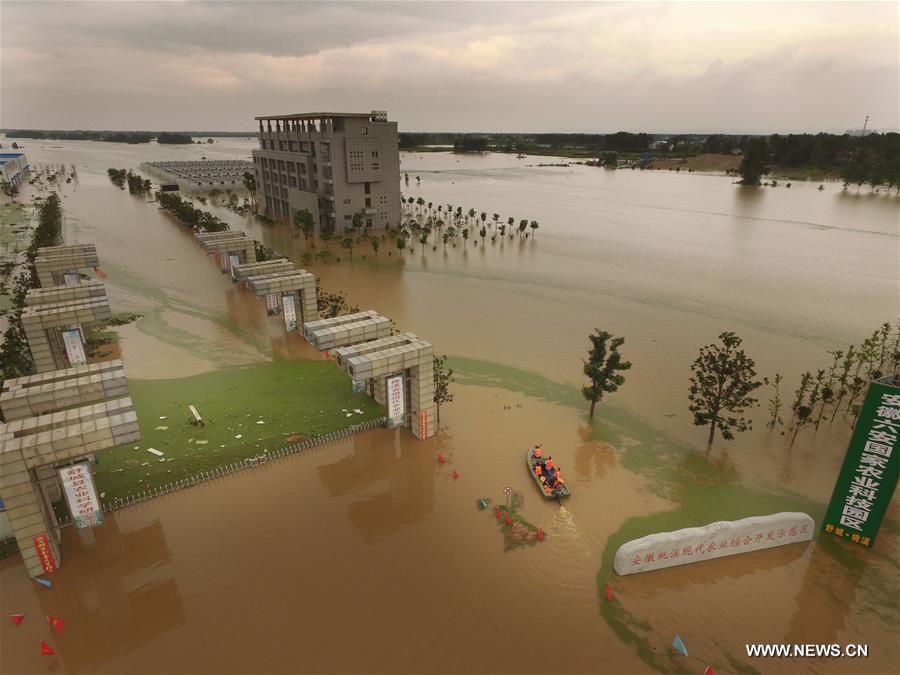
pixel 537 469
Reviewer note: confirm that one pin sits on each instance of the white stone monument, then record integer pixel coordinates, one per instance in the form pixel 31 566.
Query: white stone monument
pixel 716 540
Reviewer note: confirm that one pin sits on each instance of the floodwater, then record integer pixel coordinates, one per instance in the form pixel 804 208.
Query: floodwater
pixel 366 556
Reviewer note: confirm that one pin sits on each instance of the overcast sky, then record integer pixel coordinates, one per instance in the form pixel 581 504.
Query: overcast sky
pixel 457 66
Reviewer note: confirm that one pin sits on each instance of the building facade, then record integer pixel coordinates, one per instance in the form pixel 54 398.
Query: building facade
pixel 336 165
pixel 13 167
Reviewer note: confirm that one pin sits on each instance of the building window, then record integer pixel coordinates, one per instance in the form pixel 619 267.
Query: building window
pixel 281 145
pixel 304 146
pixel 326 151
pixel 368 202
pixel 375 166
pixel 347 201
pixel 368 188
pixel 375 153
pixel 364 131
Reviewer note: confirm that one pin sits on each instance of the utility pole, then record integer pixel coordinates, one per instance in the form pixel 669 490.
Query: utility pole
pixel 865 124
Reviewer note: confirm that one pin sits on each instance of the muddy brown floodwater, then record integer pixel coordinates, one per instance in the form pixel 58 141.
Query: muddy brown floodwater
pixel 366 556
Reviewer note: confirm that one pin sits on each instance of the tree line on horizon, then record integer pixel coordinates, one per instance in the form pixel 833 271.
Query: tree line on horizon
pixel 132 137
pixel 873 159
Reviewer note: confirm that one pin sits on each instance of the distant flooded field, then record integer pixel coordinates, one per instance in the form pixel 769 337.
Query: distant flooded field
pixel 366 556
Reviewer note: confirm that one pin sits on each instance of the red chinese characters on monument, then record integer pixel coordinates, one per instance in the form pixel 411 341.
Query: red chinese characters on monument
pixel 714 541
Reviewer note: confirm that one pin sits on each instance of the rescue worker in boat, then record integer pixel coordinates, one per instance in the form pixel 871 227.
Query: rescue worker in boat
pixel 538 455
pixel 550 470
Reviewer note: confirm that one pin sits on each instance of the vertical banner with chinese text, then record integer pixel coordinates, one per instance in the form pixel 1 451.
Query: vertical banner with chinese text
pixel 71 279
pixel 396 403
pixel 290 314
pixel 869 475
pixel 74 347
pixel 81 495
pixel 271 304
pixel 45 552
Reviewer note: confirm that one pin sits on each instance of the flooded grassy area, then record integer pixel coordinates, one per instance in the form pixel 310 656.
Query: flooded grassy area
pixel 702 490
pixel 247 411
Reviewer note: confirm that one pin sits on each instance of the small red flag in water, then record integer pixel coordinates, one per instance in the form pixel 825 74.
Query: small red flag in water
pixel 441 458
pixel 56 622
pixel 708 671
pixel 609 592
pixel 47 650
pixel 508 521
pixel 498 514
pixel 17 618
pixel 540 534
pixel 327 354
pixel 455 474
pixel 100 273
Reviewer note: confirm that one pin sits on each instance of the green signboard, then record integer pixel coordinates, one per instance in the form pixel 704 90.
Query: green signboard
pixel 867 480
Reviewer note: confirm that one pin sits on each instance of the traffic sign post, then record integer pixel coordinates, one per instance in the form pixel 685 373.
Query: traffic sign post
pixel 507 491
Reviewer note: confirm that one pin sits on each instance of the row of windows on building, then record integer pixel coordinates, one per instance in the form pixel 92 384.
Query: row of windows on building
pixel 298 146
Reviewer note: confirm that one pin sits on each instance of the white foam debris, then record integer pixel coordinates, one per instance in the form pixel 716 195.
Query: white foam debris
pixel 155 452
pixel 238 436
pixel 161 428
pixel 163 417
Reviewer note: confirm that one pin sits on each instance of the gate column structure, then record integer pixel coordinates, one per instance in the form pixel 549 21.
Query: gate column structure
pixel 232 251
pixel 53 329
pixel 297 284
pixel 404 355
pixel 242 272
pixel 349 329
pixel 376 386
pixel 60 265
pixel 30 450
pixel 34 395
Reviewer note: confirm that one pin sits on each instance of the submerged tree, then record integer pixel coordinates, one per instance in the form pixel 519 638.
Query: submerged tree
pixel 755 160
pixel 800 409
pixel 249 181
pixel 332 304
pixel 443 377
pixel 775 403
pixel 602 366
pixel 304 222
pixel 721 386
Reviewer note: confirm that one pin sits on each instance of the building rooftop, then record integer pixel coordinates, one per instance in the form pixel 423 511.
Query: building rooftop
pixel 313 116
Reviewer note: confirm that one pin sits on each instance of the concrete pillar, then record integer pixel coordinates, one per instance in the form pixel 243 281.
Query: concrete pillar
pixel 25 510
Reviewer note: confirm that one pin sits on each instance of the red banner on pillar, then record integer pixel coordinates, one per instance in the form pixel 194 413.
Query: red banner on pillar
pixel 423 424
pixel 45 552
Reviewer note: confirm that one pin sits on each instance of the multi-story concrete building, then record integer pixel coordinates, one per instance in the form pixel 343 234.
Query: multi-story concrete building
pixel 335 165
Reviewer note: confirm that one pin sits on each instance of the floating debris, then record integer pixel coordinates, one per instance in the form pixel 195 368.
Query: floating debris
pixel 163 417
pixel 260 422
pixel 238 436
pixel 202 442
pixel 155 452
pixel 161 428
